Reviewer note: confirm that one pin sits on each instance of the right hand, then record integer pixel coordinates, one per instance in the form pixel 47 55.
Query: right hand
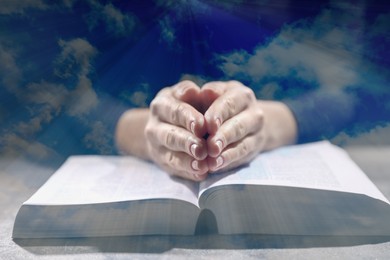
pixel 174 132
pixel 235 124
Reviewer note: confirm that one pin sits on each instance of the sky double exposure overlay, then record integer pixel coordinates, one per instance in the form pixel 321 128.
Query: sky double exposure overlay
pixel 67 69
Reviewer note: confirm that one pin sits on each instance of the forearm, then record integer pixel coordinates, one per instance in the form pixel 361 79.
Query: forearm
pixel 279 124
pixel 129 136
pixel 323 114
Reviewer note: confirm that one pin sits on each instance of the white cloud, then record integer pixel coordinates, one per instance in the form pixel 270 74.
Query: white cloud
pixel 268 91
pixel 42 100
pixel 116 21
pixel 68 3
pixel 14 145
pixel 137 97
pixel 31 127
pixel 99 138
pixel 10 73
pixel 45 100
pixel 377 136
pixel 46 93
pixel 19 6
pixel 168 32
pixel 185 11
pixel 75 61
pixel 185 8
pixel 328 52
pixel 76 55
pixel 321 52
pixel 83 99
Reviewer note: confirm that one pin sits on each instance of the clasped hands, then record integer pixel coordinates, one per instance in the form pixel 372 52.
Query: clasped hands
pixel 193 131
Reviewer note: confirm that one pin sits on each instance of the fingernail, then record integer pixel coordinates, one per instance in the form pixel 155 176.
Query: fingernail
pixel 219 144
pixel 193 127
pixel 219 161
pixel 218 122
pixel 195 165
pixel 193 149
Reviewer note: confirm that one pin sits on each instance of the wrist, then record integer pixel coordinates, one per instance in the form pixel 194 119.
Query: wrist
pixel 129 136
pixel 280 127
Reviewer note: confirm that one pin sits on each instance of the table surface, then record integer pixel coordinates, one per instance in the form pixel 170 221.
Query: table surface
pixel 20 178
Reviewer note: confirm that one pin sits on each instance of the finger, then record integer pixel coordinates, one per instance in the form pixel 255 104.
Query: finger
pixel 236 154
pixel 180 164
pixel 234 129
pixel 210 92
pixel 187 91
pixel 176 139
pixel 232 102
pixel 176 112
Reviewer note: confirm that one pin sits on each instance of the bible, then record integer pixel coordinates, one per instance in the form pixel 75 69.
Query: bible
pixel 309 189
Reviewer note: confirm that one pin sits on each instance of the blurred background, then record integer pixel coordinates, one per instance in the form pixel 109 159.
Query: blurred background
pixel 69 68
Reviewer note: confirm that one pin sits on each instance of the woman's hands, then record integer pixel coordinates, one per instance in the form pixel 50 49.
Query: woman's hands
pixel 172 132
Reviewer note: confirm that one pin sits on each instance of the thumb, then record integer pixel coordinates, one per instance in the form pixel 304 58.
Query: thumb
pixel 210 92
pixel 188 92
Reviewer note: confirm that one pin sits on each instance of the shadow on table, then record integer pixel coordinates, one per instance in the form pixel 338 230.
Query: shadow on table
pixel 160 244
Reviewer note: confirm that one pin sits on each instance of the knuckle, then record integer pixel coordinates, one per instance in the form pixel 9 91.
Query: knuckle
pixel 170 138
pixel 249 95
pixel 239 128
pixel 148 132
pixel 243 149
pixel 159 104
pixel 234 83
pixel 181 141
pixel 155 106
pixel 188 142
pixel 170 159
pixel 176 112
pixel 164 91
pixel 258 118
pixel 229 104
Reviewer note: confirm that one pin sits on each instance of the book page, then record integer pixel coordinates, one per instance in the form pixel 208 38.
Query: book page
pixel 318 165
pixel 100 179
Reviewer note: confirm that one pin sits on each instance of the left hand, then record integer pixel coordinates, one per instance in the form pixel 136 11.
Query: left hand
pixel 174 132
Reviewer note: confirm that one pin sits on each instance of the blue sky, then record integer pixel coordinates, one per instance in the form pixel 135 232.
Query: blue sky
pixel 62 64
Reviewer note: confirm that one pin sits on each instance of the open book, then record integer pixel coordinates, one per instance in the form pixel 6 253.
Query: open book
pixel 311 189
